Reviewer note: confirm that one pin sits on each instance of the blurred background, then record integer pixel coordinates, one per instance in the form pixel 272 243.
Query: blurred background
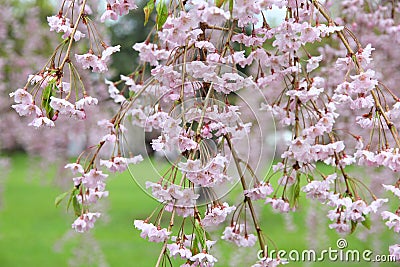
pixel 33 232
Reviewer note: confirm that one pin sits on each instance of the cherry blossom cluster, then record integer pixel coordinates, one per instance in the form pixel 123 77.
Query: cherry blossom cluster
pixel 85 222
pixel 26 106
pixel 116 8
pixel 206 176
pixel 238 235
pixel 259 191
pixel 96 62
pixel 90 185
pixel 60 23
pixel 155 234
pixel 27 46
pixel 216 215
pixel 185 90
pixel 347 211
pixel 182 201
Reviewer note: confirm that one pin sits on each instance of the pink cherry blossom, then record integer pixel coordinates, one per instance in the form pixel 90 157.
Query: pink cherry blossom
pixel 268 262
pixel 393 189
pixel 212 14
pixel 364 55
pixel 109 14
pixel 98 64
pixel 91 196
pixel 111 138
pixel 105 56
pixel 204 259
pixel 22 96
pixel 62 105
pixel 85 101
pixel 238 235
pixel 393 220
pixel 364 82
pixel 279 205
pixel 341 227
pixel 313 63
pixel 176 249
pixel 158 191
pixel 27 109
pixel 85 222
pixel 150 53
pixel 259 191
pixel 62 24
pixel 94 179
pixel 153 233
pixel 41 121
pixel 122 7
pixel 376 204
pixel 90 60
pixel 79 115
pixel 75 168
pixel 205 45
pixel 120 164
pixel 395 251
pixel 309 34
pixel 217 214
pixel 320 190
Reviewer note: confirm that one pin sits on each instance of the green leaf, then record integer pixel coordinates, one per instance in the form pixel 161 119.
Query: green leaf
pixel 61 197
pixel 200 234
pixel 295 192
pixel 162 14
pixel 353 226
pixel 148 9
pixel 219 3
pixel 367 222
pixel 72 196
pixel 231 6
pixel 77 206
pixel 75 202
pixel 47 94
pixel 208 236
pixel 195 249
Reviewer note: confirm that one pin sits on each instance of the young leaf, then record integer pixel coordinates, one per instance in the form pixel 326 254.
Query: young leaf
pixel 353 226
pixel 60 198
pixel 295 191
pixel 200 234
pixel 148 9
pixel 77 206
pixel 162 14
pixel 231 6
pixel 72 196
pixel 219 3
pixel 195 249
pixel 367 222
pixel 47 93
pixel 75 202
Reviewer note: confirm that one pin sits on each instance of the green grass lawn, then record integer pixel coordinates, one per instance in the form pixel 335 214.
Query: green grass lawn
pixel 35 233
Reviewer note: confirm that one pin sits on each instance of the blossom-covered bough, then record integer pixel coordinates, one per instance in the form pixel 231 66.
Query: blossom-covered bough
pixel 187 88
